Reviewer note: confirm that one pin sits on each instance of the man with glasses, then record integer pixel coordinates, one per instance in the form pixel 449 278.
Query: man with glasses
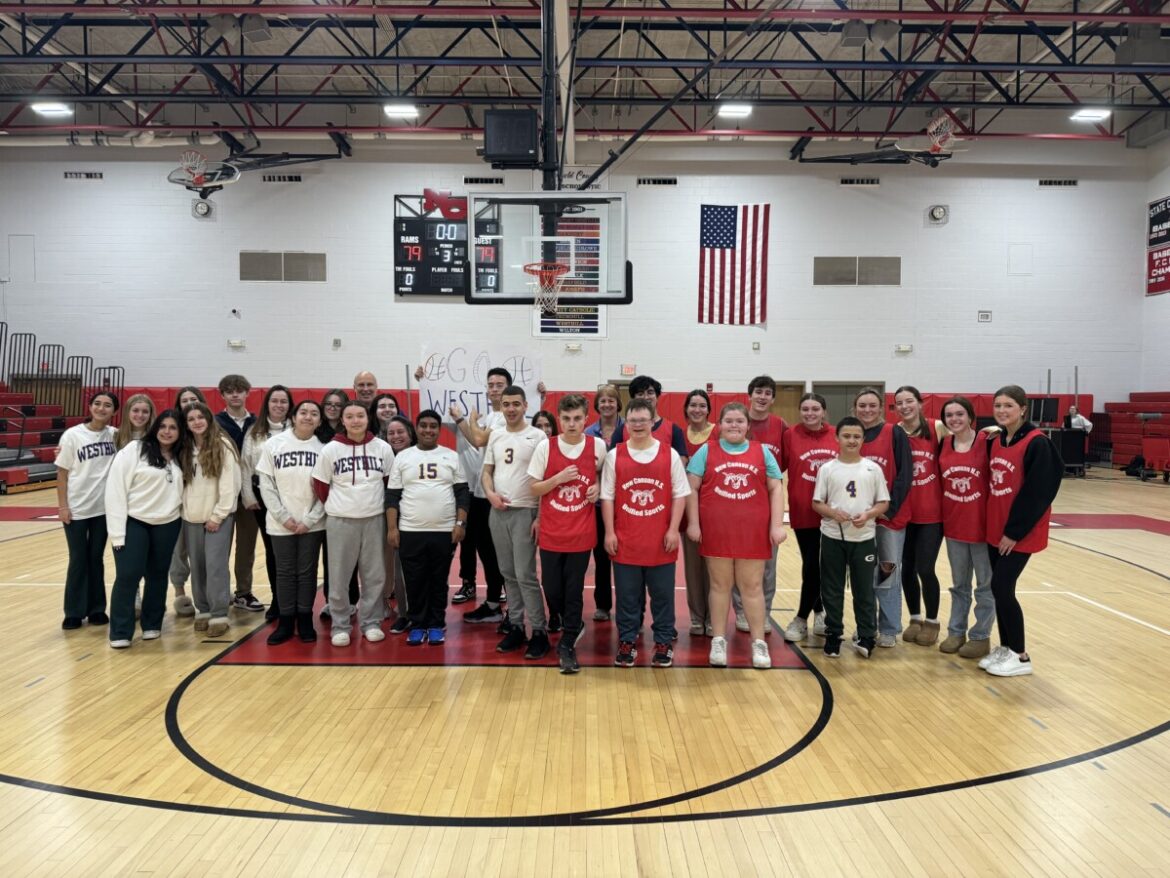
pixel 648 390
pixel 643 493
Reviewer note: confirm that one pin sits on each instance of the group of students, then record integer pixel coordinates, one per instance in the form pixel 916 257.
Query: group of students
pixel 870 503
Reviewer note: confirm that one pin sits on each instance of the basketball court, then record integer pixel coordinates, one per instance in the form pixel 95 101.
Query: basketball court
pixel 392 178
pixel 240 758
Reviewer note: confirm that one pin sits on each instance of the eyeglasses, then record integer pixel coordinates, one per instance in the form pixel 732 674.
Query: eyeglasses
pixel 170 476
pixel 639 422
pixel 332 405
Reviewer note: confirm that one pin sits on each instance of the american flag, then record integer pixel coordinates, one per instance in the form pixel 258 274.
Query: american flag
pixel 733 263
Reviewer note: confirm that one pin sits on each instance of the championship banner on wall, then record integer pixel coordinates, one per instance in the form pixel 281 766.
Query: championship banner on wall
pixel 457 374
pixel 1158 248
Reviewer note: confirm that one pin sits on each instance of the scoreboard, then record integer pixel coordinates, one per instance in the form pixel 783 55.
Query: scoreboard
pixel 431 247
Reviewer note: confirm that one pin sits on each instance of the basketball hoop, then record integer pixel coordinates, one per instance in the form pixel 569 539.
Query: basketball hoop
pixel 549 277
pixel 941 133
pixel 194 163
pixel 197 174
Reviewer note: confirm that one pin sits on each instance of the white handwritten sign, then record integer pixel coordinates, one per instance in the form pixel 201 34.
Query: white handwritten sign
pixel 458 373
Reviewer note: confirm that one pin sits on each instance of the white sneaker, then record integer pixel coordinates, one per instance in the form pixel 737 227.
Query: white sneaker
pixel 819 624
pixel 340 638
pixel 996 655
pixel 151 635
pixel 796 631
pixel 885 641
pixel 718 655
pixel 741 623
pixel 760 657
pixel 374 634
pixel 1010 666
pixel 119 644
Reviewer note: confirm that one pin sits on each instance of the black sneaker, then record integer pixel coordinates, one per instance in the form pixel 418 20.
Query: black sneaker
pixel 512 641
pixel 99 619
pixel 663 656
pixel 555 626
pixel 865 647
pixel 627 655
pixel 401 625
pixel 537 646
pixel 247 601
pixel 71 623
pixel 466 592
pixel 568 660
pixel 833 646
pixel 484 613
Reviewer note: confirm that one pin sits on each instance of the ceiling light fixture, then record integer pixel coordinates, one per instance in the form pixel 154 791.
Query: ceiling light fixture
pixel 52 109
pixel 401 111
pixel 735 111
pixel 1090 115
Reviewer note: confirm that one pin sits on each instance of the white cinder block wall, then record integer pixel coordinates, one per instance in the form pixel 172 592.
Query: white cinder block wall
pixel 120 270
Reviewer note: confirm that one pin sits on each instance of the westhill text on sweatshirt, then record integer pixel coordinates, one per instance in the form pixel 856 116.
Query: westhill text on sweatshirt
pixel 350 477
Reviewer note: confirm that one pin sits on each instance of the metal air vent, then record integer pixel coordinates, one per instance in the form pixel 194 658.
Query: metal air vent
pixel 861 181
pixel 658 181
pixel 1057 184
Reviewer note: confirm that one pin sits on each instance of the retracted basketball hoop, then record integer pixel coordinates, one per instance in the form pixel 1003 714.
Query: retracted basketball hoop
pixel 549 277
pixel 197 174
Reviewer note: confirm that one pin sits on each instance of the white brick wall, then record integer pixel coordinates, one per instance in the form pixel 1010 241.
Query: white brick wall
pixel 124 273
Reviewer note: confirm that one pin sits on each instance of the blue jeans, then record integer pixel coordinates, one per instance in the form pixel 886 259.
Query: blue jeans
pixel 968 558
pixel 631 584
pixel 887 587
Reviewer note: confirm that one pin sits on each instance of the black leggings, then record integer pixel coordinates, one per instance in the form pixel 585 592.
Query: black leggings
pixel 1009 615
pixel 809 540
pixel 919 555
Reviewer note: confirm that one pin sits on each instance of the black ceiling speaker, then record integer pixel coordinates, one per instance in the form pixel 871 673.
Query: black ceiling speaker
pixel 511 137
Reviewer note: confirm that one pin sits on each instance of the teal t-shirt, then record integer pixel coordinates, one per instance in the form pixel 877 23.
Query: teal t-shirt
pixel 697 465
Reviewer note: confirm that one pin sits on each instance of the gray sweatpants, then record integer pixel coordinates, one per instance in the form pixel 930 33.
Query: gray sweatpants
pixel 180 570
pixel 211 588
pixel 769 587
pixel 516 551
pixel 357 542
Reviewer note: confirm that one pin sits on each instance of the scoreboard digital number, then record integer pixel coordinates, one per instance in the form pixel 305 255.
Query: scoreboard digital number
pixel 431 244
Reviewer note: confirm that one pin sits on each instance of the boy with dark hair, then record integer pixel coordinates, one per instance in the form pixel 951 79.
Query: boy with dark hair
pixel 508 488
pixel 647 389
pixel 566 471
pixel 850 494
pixel 426 517
pixel 767 429
pixel 236 420
pixel 643 494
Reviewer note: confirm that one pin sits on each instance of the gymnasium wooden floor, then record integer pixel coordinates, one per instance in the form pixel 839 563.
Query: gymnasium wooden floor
pixel 164 760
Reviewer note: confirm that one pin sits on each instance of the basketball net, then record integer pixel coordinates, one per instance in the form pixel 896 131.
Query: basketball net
pixel 941 132
pixel 549 277
pixel 194 163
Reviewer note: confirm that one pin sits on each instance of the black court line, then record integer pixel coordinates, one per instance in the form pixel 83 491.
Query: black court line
pixel 566 818
pixel 526 665
pixel 1051 539
pixel 26 536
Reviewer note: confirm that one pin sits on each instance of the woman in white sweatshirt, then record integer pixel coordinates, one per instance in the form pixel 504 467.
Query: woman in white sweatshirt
pixel 144 495
pixel 83 460
pixel 211 483
pixel 271 421
pixel 295 521
pixel 350 478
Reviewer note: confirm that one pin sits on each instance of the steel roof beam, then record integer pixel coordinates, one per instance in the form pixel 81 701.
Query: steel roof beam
pixel 597 63
pixel 300 24
pixel 517 12
pixel 367 99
